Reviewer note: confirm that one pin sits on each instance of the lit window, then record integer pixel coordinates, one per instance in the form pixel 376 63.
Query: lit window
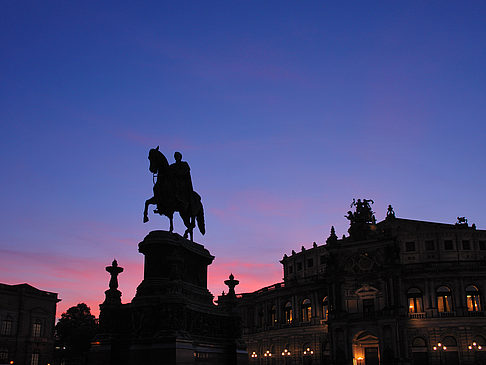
pixel 288 313
pixel 273 315
pixel 472 299
pixel 325 308
pixel 3 355
pixel 306 310
pixel 36 329
pixel 415 301
pixel 34 359
pixel 444 299
pixel 6 327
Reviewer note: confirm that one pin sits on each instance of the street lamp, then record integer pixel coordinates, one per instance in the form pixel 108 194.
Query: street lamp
pixel 308 351
pixel 474 346
pixel 440 348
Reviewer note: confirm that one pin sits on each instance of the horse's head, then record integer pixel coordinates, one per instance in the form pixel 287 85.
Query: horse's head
pixel 157 160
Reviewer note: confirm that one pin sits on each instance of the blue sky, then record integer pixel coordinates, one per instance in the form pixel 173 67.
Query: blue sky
pixel 285 111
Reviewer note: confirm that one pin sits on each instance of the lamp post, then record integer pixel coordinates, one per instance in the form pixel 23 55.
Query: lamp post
pixel 474 347
pixel 439 348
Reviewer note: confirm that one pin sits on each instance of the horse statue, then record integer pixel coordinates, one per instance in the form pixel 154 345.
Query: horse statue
pixel 167 199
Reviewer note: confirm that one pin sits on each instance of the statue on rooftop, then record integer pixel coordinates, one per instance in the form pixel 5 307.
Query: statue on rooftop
pixel 390 213
pixel 173 192
pixel 362 220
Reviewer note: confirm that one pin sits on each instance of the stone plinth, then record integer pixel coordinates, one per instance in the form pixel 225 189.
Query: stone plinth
pixel 172 318
pixel 174 267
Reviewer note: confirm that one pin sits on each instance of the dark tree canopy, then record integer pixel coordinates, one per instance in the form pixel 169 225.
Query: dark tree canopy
pixel 76 328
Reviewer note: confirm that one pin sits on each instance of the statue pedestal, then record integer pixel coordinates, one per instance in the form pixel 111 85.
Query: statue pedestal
pixel 172 318
pixel 174 267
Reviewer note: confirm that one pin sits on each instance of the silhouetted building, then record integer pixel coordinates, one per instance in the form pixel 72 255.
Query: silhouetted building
pixel 395 292
pixel 27 317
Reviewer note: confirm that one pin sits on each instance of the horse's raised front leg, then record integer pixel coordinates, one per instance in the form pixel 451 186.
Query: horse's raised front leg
pixel 145 211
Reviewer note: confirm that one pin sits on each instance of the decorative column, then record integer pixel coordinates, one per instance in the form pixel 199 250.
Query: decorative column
pixel 113 295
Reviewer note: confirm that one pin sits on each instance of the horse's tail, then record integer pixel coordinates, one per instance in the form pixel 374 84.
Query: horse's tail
pixel 200 221
pixel 200 214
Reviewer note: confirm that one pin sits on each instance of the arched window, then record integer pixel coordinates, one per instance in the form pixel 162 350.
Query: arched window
pixel 34 358
pixel 415 304
pixel 444 299
pixel 3 355
pixel 473 302
pixel 419 342
pixel 325 309
pixel 37 328
pixel 288 312
pixel 6 329
pixel 449 341
pixel 306 310
pixel 273 315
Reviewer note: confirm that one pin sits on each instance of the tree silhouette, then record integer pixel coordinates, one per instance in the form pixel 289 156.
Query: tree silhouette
pixel 75 330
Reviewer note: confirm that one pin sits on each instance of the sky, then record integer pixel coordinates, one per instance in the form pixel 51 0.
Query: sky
pixel 284 110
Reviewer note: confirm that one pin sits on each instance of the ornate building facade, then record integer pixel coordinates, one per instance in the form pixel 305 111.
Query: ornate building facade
pixel 27 317
pixel 395 292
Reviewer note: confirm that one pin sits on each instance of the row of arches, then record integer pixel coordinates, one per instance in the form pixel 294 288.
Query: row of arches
pixel 445 303
pixel 304 312
pixel 289 314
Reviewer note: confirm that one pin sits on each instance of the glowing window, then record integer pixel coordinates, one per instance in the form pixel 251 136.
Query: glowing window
pixel 415 304
pixel 273 315
pixel 473 302
pixel 34 359
pixel 3 355
pixel 288 313
pixel 36 329
pixel 325 308
pixel 444 299
pixel 6 327
pixel 306 310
